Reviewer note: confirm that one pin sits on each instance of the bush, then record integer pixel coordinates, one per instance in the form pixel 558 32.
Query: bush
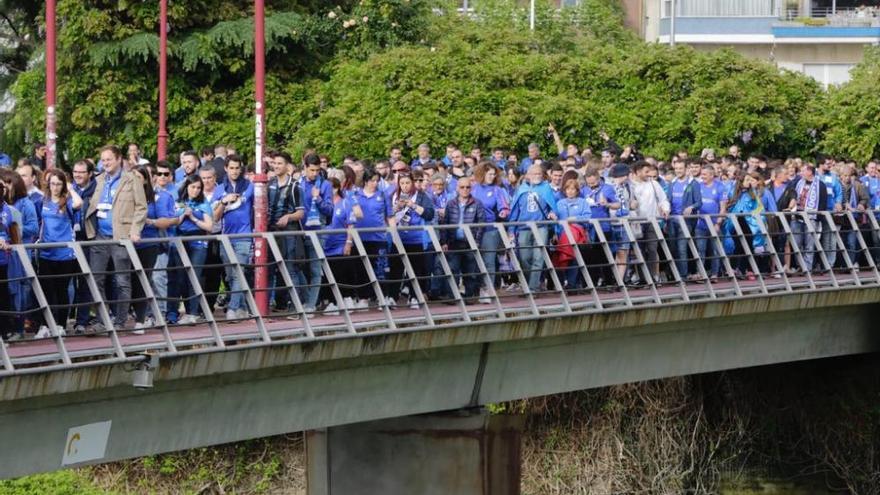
pixel 502 87
pixel 852 126
pixel 58 483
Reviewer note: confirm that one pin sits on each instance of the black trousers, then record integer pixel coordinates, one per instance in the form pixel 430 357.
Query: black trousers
pixel 361 279
pixel 419 261
pixel 147 256
pixel 55 277
pixel 212 275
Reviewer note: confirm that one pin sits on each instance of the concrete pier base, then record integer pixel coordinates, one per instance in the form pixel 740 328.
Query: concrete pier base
pixel 463 452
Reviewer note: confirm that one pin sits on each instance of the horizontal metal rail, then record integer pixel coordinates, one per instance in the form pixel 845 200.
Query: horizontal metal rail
pixel 404 279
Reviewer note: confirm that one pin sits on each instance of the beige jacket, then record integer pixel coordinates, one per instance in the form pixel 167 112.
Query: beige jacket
pixel 129 207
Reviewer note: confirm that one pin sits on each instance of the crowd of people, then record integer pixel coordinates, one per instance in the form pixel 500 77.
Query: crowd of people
pixel 569 221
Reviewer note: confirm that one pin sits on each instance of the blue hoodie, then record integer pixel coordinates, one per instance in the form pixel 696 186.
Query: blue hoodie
pixel 532 203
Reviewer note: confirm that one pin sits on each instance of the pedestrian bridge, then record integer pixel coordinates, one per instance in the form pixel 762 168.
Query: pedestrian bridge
pixel 69 401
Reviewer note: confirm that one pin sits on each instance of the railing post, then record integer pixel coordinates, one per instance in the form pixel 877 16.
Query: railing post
pixel 226 246
pixel 281 266
pixel 29 272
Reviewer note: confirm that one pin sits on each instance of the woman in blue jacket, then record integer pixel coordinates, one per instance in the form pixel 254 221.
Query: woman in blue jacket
pixel 10 233
pixel 412 208
pixel 574 209
pixel 487 189
pixel 17 197
pixel 195 218
pixel 58 264
pixel 377 214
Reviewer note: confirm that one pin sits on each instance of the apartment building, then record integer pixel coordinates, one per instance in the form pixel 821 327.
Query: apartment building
pixel 821 38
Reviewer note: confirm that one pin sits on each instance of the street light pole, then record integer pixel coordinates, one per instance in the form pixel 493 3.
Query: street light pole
pixel 162 138
pixel 261 203
pixel 51 156
pixel 532 15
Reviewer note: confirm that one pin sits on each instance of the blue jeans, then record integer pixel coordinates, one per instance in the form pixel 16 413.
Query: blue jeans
pixel 310 275
pixel 677 239
pixel 461 264
pixel 531 259
pixel 829 240
pixel 178 281
pixel 489 252
pixel 159 277
pixel 805 241
pixel 706 248
pixel 242 249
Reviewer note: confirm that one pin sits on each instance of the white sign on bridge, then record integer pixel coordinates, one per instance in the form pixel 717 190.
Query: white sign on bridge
pixel 86 443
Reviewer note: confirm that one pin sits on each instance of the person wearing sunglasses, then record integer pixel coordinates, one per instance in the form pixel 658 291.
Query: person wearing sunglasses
pixel 84 185
pixel 461 210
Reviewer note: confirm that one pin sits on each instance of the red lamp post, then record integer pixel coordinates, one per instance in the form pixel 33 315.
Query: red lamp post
pixel 261 203
pixel 50 85
pixel 162 137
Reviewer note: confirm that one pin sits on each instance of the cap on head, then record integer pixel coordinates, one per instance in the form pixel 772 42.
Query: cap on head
pixel 619 170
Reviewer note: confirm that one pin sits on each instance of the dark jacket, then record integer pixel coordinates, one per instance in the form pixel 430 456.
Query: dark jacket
pixel 863 198
pixel 473 213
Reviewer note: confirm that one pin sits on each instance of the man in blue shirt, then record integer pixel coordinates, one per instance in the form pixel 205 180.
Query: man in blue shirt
pixel 534 201
pixel 685 201
pixel 28 174
pixel 423 158
pixel 84 185
pixel 317 195
pixel 235 211
pixel 189 165
pixel 117 213
pixel 534 154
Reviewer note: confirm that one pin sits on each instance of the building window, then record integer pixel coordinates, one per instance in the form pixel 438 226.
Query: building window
pixel 723 8
pixel 829 74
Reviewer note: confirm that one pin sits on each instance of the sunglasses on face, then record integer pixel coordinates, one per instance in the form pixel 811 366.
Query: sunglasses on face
pixel 163 174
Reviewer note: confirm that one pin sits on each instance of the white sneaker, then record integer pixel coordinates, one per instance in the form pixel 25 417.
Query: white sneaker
pixel 231 314
pixel 413 303
pixel 43 333
pixel 484 297
pixel 331 310
pixel 188 320
pixel 59 332
pixel 362 304
pixel 242 314
pixel 349 303
pixel 139 328
pixel 390 302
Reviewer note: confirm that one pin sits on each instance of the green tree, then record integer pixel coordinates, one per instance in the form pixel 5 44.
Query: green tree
pixel 852 126
pixel 503 86
pixel 107 66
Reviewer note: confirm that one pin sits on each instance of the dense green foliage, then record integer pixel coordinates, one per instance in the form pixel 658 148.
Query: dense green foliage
pixel 107 66
pixel 355 77
pixel 853 114
pixel 492 88
pixel 58 483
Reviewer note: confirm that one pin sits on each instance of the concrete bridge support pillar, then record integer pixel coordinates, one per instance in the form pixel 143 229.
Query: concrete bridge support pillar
pixel 462 452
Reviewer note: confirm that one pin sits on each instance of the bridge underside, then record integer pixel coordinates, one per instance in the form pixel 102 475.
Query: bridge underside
pixel 207 399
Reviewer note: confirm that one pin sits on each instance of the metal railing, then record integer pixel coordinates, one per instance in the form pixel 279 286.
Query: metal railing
pixel 727 257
